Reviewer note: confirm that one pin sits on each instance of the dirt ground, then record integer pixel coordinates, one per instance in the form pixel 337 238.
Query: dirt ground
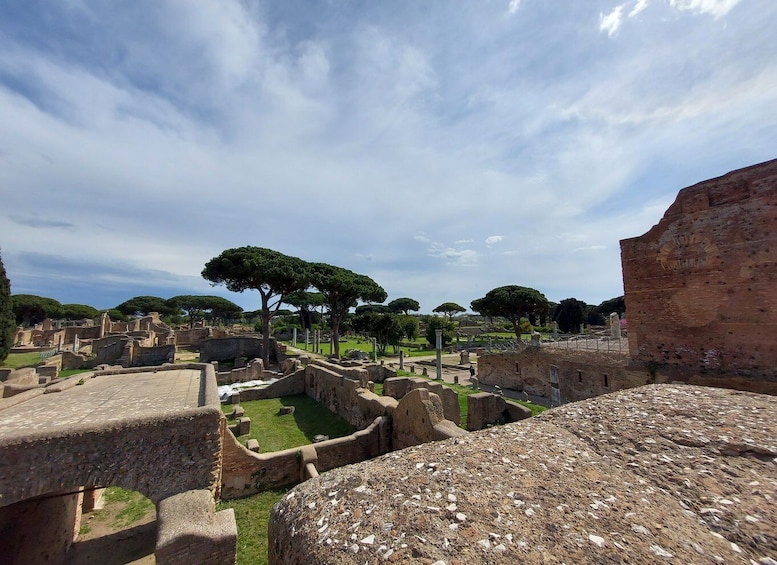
pixel 103 543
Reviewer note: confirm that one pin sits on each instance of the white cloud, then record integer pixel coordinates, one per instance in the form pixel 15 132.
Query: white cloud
pixel 638 7
pixel 492 239
pixel 612 21
pixel 716 8
pixel 513 7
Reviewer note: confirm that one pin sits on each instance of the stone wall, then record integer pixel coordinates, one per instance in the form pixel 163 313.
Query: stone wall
pixel 419 418
pixel 343 391
pixel 245 473
pixel 40 530
pixel 146 356
pixel 191 337
pixel 580 374
pixel 398 387
pixel 191 531
pixel 486 409
pixel 227 348
pixel 701 285
pixel 159 456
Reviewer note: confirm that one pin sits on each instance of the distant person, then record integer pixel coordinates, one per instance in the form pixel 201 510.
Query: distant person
pixel 471 370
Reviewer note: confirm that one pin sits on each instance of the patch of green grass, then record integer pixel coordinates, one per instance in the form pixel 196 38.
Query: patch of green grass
pixel 365 345
pixel 136 506
pixel 19 360
pixel 252 515
pixel 275 432
pixel 71 372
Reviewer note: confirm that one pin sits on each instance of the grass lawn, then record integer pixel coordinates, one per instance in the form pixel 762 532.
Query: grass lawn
pixel 275 432
pixel 365 345
pixel 71 372
pixel 19 360
pixel 252 515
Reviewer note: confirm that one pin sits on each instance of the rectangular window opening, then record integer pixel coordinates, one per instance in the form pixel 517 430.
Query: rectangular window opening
pixel 606 380
pixel 579 376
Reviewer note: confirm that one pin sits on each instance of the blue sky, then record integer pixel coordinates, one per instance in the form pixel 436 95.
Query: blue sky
pixel 442 148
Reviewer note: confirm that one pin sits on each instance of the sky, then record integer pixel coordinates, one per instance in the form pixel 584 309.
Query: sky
pixel 441 148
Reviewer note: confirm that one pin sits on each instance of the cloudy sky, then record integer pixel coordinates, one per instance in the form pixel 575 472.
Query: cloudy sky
pixel 443 148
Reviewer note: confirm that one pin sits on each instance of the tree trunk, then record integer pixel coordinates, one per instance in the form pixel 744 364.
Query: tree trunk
pixel 266 317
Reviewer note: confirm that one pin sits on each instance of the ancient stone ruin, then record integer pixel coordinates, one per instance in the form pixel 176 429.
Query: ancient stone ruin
pixel 676 474
pixel 701 285
pixel 700 292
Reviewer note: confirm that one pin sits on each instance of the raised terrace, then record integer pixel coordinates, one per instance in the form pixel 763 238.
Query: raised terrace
pixel 155 431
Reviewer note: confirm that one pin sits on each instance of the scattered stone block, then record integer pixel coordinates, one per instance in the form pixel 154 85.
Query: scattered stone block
pixel 286 410
pixel 234 398
pixel 253 445
pixel 244 426
pixel 319 438
pixel 237 412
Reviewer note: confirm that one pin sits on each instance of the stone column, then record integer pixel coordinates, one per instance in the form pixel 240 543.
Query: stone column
pixel 438 334
pixel 401 360
pixel 374 349
pixel 307 339
pixel 615 325
pixel 294 337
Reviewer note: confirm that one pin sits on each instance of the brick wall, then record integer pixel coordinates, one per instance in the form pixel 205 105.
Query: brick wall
pixel 580 374
pixel 701 285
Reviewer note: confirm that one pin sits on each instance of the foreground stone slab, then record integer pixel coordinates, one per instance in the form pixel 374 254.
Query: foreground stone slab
pixel 661 473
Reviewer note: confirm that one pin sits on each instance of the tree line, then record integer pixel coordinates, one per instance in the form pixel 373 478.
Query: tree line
pixel 310 287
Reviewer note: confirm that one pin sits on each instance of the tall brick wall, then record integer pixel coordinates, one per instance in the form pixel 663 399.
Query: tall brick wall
pixel 701 285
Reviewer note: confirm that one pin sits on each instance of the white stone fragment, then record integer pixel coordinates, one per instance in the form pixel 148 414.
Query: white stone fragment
pixel 484 543
pixel 596 540
pixel 451 508
pixel 751 519
pixel 660 551
pixel 290 495
pixel 460 516
pixel 735 547
pixel 355 548
pixel 369 540
pixel 500 548
pixel 529 512
pixel 637 529
pixel 451 498
pixel 361 488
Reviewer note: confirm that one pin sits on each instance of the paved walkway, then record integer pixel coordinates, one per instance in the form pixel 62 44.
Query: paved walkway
pixel 105 399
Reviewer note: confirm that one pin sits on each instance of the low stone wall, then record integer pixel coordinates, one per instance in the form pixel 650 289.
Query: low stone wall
pixel 191 338
pixel 343 391
pixel 148 356
pixel 245 473
pixel 419 418
pixel 286 386
pixel 485 408
pixel 398 387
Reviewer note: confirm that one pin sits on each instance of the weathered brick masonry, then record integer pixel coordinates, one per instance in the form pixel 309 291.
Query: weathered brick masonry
pixel 701 285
